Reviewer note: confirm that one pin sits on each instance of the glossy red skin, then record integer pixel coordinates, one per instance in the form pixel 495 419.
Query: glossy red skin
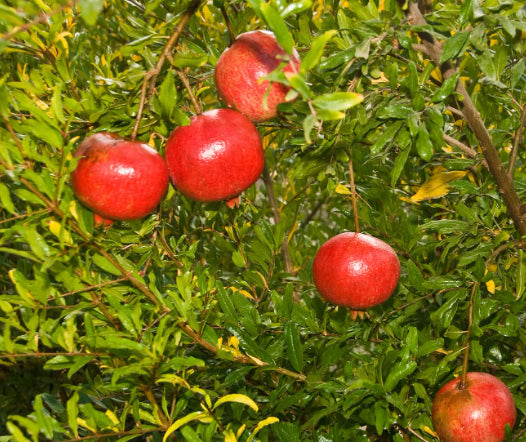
pixel 119 179
pixel 253 55
pixel 216 157
pixel 356 270
pixel 477 413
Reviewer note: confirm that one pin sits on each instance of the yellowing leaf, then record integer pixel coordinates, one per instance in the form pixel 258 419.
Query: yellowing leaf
pixel 201 416
pixel 490 286
pixel 342 190
pixel 430 431
pixel 239 398
pixel 230 436
pixel 437 185
pixel 268 421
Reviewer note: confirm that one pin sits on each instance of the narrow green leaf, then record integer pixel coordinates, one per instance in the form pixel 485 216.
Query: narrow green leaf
pixel 397 111
pixel 386 137
pixel 337 101
pixel 296 8
pixel 399 372
pixel 56 103
pixel 447 88
pixel 5 199
pixel 105 265
pixel 454 45
pixel 294 345
pixel 298 82
pixel 399 164
pixel 424 146
pixel 226 304
pixel 312 58
pixel 73 412
pixel 277 25
pixel 201 416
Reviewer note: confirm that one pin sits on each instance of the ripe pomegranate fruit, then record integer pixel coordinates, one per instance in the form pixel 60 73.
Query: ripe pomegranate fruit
pixel 356 270
pixel 478 412
pixel 240 69
pixel 119 179
pixel 216 157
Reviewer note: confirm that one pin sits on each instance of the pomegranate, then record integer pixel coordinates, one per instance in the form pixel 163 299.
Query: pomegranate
pixel 478 412
pixel 119 179
pixel 241 67
pixel 216 157
pixel 356 270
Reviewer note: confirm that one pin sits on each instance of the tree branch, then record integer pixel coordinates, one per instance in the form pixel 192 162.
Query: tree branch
pixel 433 48
pixel 151 77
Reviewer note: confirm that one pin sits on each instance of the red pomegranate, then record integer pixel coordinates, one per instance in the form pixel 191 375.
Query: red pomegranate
pixel 119 179
pixel 216 157
pixel 241 67
pixel 478 412
pixel 356 270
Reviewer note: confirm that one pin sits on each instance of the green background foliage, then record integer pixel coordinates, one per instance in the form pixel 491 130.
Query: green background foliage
pixel 184 325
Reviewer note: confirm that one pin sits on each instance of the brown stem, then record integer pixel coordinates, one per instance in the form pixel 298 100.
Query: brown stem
pixel 151 77
pixel 431 47
pixel 197 106
pixel 463 381
pixel 151 398
pixel 468 151
pixel 353 197
pixel 517 139
pixel 285 253
pixel 231 35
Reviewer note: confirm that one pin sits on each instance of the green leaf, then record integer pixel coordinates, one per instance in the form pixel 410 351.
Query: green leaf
pixel 454 45
pixel 313 57
pixel 337 101
pixel 386 137
pixel 90 10
pixel 5 199
pixel 277 25
pixel 424 146
pixel 294 345
pixel 447 88
pixel 201 416
pixel 106 265
pixel 397 111
pixel 398 373
pixel 296 7
pixel 73 412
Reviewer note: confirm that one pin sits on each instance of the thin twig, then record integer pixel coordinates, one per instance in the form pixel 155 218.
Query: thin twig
pixel 517 139
pixel 151 77
pixel 197 106
pixel 468 151
pixel 231 35
pixel 353 198
pixel 285 253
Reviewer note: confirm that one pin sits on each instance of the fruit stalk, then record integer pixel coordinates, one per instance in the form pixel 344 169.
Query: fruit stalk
pixel 463 380
pixel 353 198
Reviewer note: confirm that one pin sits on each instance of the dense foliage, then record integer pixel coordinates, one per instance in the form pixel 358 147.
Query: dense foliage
pixel 201 322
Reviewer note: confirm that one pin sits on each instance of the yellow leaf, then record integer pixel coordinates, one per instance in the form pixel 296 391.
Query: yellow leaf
pixel 430 431
pixel 490 286
pixel 342 190
pixel 201 416
pixel 58 230
pixel 239 398
pixel 268 421
pixel 230 436
pixel 437 185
